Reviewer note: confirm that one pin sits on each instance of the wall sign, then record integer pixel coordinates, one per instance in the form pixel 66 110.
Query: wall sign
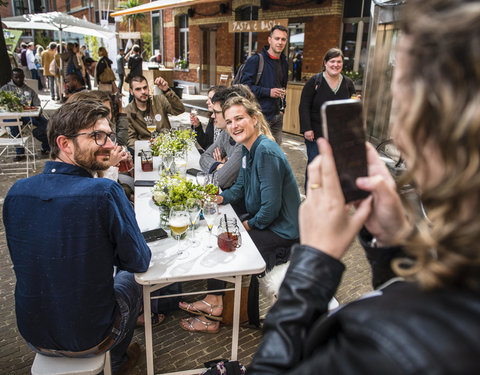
pixel 255 26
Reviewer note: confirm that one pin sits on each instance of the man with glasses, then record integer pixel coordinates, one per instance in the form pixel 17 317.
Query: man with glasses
pixel 65 232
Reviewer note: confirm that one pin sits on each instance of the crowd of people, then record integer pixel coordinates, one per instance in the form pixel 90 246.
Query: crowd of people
pixel 426 270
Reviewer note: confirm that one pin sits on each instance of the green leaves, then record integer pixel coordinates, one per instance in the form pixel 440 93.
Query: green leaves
pixel 10 102
pixel 172 142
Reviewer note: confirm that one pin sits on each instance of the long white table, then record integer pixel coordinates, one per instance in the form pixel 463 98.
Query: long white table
pixel 200 263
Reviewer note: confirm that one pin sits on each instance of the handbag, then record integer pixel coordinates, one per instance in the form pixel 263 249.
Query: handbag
pixel 224 367
pixel 53 68
pixel 107 75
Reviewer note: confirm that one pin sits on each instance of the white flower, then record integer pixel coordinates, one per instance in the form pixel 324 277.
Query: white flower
pixel 159 196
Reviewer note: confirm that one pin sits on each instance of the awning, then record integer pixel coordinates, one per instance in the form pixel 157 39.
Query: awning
pixel 159 4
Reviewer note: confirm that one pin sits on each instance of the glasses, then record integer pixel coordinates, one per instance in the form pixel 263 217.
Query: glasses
pixel 99 136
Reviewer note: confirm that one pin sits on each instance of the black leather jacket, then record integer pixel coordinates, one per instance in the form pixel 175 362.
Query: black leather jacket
pixel 397 330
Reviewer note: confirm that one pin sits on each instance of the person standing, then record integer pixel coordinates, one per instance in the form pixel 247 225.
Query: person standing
pixel 145 109
pixel 47 57
pixel 135 65
pixel 67 301
pixel 327 85
pixel 104 82
pixel 32 67
pixel 270 89
pixel 121 68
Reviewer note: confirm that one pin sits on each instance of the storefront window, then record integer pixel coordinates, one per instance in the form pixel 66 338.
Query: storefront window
pixel 245 43
pixel 155 30
pixel 295 50
pixel 355 37
pixel 183 39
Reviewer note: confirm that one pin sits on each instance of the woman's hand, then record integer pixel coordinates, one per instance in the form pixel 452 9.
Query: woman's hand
pixel 245 225
pixel 325 220
pixel 194 120
pixel 387 220
pixel 309 135
pixel 218 199
pixel 117 155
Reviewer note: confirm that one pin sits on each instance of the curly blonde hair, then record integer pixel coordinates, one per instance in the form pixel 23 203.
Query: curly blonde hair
pixel 253 110
pixel 442 80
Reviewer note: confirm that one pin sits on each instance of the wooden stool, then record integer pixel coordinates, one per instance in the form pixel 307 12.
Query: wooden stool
pixel 43 365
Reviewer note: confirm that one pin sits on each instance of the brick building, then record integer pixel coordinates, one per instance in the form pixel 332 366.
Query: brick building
pixel 206 39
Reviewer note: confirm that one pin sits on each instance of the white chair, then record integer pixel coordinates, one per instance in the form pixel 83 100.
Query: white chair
pixel 9 143
pixel 43 365
pixel 223 79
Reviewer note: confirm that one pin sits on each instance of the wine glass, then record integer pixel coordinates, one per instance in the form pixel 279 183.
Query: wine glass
pixel 179 220
pixel 194 206
pixel 213 180
pixel 210 212
pixel 151 127
pixel 167 162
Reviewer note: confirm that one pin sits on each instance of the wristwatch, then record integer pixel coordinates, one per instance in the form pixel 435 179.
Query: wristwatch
pixel 167 90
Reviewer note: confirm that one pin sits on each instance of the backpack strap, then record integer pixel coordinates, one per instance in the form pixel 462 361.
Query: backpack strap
pixel 261 64
pixel 318 80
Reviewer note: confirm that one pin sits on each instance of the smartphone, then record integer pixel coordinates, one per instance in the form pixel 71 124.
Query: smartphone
pixel 342 122
pixel 154 235
pixel 193 171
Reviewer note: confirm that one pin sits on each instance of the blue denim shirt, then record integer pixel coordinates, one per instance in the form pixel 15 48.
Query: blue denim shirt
pixel 269 188
pixel 65 232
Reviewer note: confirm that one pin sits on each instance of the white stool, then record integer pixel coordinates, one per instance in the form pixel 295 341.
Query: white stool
pixel 43 365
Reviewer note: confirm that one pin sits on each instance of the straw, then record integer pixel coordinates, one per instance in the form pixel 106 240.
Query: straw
pixel 228 232
pixel 226 225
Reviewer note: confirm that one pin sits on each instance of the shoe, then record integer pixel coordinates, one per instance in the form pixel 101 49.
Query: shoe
pixel 156 320
pixel 19 158
pixel 190 308
pixel 188 325
pixel 133 352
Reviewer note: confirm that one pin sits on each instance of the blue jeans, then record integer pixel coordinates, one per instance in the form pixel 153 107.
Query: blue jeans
pixel 128 295
pixel 312 152
pixel 40 132
pixel 35 75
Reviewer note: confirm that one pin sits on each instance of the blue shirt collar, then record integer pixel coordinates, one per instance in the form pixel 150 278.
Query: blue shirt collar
pixel 58 167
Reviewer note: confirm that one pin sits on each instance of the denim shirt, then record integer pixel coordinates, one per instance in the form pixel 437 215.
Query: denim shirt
pixel 269 188
pixel 65 232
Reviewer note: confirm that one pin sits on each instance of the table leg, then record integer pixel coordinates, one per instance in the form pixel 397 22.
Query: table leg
pixel 148 329
pixel 236 316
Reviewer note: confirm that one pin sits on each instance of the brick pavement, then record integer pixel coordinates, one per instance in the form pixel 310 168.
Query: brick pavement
pixel 174 348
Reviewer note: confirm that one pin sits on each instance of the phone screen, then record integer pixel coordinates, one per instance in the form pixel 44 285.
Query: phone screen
pixel 343 128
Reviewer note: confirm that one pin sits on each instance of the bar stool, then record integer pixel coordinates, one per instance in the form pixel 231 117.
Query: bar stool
pixel 44 365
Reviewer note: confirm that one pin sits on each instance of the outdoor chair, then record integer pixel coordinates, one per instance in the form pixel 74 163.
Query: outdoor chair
pixel 44 365
pixel 9 143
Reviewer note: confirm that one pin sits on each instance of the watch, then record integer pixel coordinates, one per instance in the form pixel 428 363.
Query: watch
pixel 167 90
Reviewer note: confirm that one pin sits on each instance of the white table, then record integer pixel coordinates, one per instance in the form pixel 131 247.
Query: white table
pixel 200 264
pixel 193 159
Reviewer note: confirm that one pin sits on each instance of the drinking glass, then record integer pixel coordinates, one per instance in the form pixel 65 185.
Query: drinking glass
pixel 194 206
pixel 213 180
pixel 126 165
pixel 202 178
pixel 210 213
pixel 151 127
pixel 167 162
pixel 179 220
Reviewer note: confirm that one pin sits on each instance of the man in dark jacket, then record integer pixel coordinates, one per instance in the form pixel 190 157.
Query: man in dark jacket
pixel 270 89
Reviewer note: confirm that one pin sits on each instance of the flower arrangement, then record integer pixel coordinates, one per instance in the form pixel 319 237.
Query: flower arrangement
pixel 9 102
pixel 173 190
pixel 172 142
pixel 180 63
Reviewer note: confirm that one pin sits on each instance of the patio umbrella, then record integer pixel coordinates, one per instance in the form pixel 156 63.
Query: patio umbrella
pixel 57 21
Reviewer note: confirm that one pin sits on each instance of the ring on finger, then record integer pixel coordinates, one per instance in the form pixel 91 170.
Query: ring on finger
pixel 315 186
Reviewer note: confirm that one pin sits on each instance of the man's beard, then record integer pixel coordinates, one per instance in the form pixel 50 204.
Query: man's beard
pixel 88 161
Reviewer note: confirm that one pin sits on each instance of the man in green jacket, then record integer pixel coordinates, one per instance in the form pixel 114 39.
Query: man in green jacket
pixel 144 110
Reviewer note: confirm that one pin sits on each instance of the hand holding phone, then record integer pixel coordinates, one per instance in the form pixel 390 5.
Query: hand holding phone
pixel 342 122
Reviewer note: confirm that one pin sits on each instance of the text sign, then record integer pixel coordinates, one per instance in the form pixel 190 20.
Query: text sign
pixel 254 26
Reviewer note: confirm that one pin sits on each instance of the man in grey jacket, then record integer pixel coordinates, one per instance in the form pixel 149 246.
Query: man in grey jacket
pixel 223 156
